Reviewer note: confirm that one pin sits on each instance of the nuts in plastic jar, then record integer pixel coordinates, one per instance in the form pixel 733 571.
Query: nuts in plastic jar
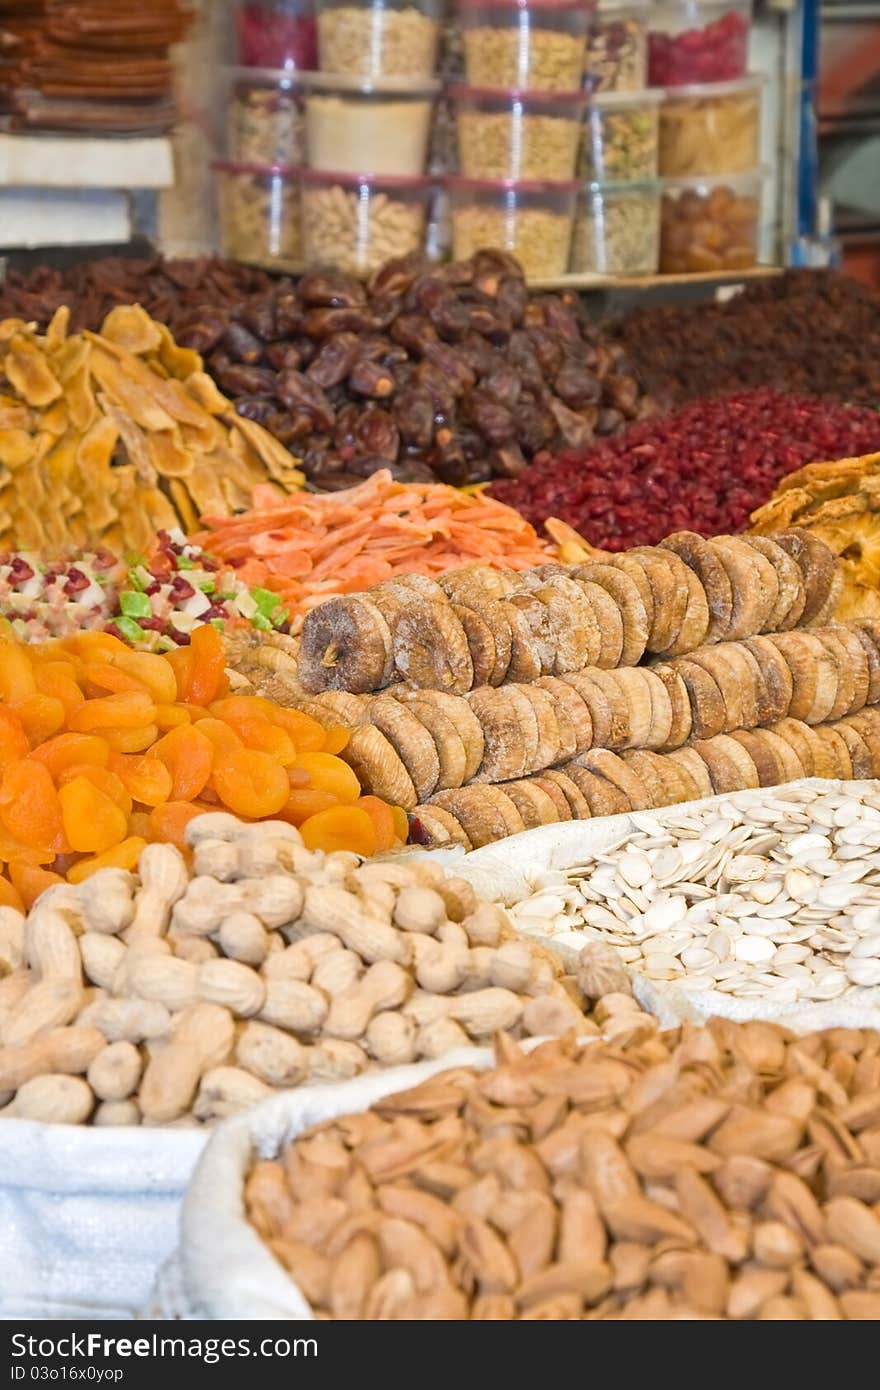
pixel 379 38
pixel 517 135
pixel 694 41
pixel 621 136
pixel 526 45
pixel 359 221
pixel 264 119
pixel 531 220
pixel 617 51
pixel 260 215
pixel 358 126
pixel 710 224
pixel 617 230
pixel 275 34
pixel 713 129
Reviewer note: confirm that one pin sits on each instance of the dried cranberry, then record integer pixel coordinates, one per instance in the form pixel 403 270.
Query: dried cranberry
pixel 76 582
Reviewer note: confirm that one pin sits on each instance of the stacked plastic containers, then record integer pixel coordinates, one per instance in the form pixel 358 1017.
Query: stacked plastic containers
pixel 710 130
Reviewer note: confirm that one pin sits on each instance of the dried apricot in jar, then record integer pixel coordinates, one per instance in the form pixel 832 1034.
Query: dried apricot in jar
pixel 250 783
pixel 209 665
pixel 382 816
pixel 92 822
pixel 13 739
pixel 122 856
pixel 68 750
pixel 29 806
pixel 342 827
pixel 168 822
pixel 188 756
pixel 30 880
pixel 147 780
pixel 330 774
pixel 303 802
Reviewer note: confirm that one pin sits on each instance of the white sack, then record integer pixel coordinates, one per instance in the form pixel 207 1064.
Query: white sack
pixel 87 1216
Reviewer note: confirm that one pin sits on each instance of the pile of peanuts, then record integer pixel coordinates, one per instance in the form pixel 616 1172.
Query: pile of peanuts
pixel 179 995
pixel 725 1172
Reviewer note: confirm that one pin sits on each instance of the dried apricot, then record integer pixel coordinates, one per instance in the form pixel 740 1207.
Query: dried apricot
pixel 66 750
pixel 335 740
pixel 29 806
pixel 140 825
pixel 92 821
pixel 172 716
pixel 401 823
pixel 382 816
pixel 100 678
pixel 16 673
pixel 129 740
pixel 41 715
pixel 308 735
pixel 122 856
pixel 154 673
pixel 168 822
pixel 132 709
pixel 59 679
pixel 303 802
pixel 147 780
pixel 265 737
pixel 10 896
pixel 250 783
pixel 188 756
pixel 13 739
pixel 209 665
pixel 329 774
pixel 182 663
pixel 29 880
pixel 223 737
pixel 102 778
pixel 342 827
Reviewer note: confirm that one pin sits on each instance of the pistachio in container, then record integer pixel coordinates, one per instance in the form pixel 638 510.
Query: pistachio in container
pixel 530 219
pixel 710 128
pixel 621 137
pixel 379 38
pixel 259 209
pixel 517 135
pixel 264 117
pixel 355 123
pixel 617 229
pixel 617 48
pixel 526 45
pixel 358 221
pixel 711 223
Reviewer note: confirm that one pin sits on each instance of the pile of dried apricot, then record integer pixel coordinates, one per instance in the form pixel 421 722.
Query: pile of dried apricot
pixel 103 749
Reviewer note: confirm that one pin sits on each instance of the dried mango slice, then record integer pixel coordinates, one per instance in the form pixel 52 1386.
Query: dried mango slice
pixel 82 406
pixel 169 457
pixel 144 410
pixel 179 362
pixel 204 390
pixel 59 326
pixel 130 327
pixel 17 446
pixel 29 372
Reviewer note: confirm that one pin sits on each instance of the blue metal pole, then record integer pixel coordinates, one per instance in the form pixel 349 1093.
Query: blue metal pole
pixel 808 157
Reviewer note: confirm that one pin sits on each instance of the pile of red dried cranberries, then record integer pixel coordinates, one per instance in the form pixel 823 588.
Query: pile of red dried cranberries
pixel 715 53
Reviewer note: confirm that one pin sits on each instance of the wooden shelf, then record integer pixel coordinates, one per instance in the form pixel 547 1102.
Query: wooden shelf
pixel 651 282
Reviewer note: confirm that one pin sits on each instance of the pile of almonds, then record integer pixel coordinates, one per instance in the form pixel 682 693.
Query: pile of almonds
pixel 726 1172
pixel 178 997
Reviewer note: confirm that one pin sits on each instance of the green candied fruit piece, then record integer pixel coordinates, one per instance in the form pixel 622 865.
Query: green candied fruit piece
pixel 135 605
pixel 130 630
pixel 216 622
pixel 265 600
pixel 183 562
pixel 207 586
pixel 261 623
pixel 281 617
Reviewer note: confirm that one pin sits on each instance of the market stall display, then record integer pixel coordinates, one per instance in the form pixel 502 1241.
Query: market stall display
pixel 698 41
pixel 710 129
pixel 260 212
pixel 517 135
pixel 275 34
pixel 617 229
pixel 617 52
pixel 355 126
pixel 715 1185
pixel 264 118
pixel 710 224
pixel 365 39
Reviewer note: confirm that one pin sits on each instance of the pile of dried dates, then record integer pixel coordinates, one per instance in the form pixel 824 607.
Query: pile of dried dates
pixel 450 372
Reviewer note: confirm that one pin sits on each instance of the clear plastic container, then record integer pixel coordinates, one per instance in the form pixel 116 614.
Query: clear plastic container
pixel 358 221
pixel 264 117
pixel 260 215
pixel 532 220
pixel 694 41
pixel 379 38
pixel 517 135
pixel 275 34
pixel 356 126
pixel 621 137
pixel 617 47
pixel 710 224
pixel 710 129
pixel 526 45
pixel 617 230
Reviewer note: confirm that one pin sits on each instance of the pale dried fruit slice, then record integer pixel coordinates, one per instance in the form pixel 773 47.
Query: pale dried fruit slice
pixel 404 585
pixel 616 733
pixel 576 638
pixel 859 752
pixel 510 732
pixel 580 807
pixel 549 750
pixel 678 783
pixel 790 765
pixel 537 615
pixel 824 759
pixel 707 705
pixel 836 683
pixel 680 706
pixel 852 691
pixel 465 721
pixel 723 771
pixel 493 615
pixel 485 813
pixel 596 702
pixel 869 636
pixel 768 580
pixel 747 676
pixel 738 755
pixel 340 707
pixel 623 589
pixel 828 612
pixel 760 707
pixel 660 727
pixel 867 726
pixel 609 622
pixel 634 695
pixel 480 582
pixel 411 741
pixel 440 828
pixel 533 803
pixel 571 711
pixel 346 645
pixel 817 563
pixel 525 648
pixel 791 596
pixel 644 765
pixel 604 798
pixel 449 745
pixel 670 601
pixel 802 652
pixel 837 749
pixel 554 793
pixel 608 765
pixel 693 766
pixel 378 767
pixel 778 681
pixel 767 765
pixel 481 643
pixel 694 627
pixel 699 556
pixel 430 648
pixel 750 606
pixel 795 732
pixel 715 660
